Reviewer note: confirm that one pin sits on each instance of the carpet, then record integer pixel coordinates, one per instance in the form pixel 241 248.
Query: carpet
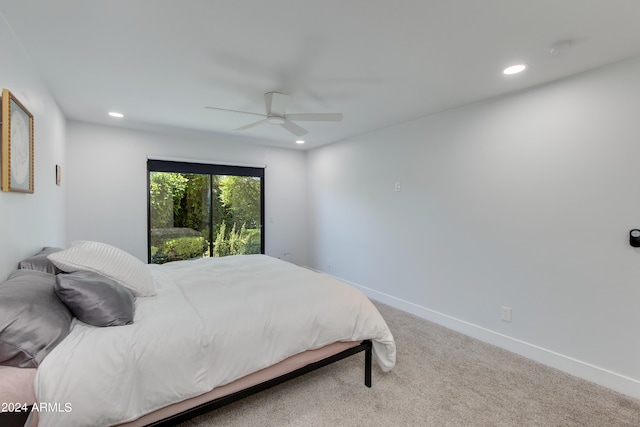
pixel 442 378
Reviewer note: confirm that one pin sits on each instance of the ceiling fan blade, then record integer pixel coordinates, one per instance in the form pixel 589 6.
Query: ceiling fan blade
pixel 235 111
pixel 294 128
pixel 250 125
pixel 316 117
pixel 276 103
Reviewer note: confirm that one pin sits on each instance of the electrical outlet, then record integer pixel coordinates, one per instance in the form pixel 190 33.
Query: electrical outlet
pixel 505 314
pixel 398 186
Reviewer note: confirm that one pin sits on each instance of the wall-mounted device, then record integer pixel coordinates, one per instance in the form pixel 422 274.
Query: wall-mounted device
pixel 634 238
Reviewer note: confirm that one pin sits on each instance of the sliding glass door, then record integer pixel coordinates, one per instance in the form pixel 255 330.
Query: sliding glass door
pixel 201 210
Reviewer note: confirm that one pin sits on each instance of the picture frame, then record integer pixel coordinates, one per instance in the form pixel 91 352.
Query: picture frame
pixel 17 145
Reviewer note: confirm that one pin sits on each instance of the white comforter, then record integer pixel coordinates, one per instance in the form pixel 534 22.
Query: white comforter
pixel 212 321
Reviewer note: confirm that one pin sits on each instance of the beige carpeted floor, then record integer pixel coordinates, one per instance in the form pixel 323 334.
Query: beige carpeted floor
pixel 442 378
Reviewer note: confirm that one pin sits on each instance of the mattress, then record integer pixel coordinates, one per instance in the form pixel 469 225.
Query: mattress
pixel 16 389
pixel 288 365
pixel 16 385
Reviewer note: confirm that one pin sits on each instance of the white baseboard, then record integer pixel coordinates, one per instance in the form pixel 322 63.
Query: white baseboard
pixel 580 369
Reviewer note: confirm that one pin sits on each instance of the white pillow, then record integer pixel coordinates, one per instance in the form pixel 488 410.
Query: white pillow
pixel 109 261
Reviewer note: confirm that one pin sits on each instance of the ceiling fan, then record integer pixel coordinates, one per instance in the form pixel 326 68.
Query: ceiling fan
pixel 276 106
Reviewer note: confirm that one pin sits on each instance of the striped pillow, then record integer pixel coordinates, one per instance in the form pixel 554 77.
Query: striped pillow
pixel 109 261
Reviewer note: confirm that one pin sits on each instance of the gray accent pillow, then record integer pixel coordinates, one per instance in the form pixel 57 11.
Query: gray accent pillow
pixel 33 320
pixel 96 299
pixel 40 261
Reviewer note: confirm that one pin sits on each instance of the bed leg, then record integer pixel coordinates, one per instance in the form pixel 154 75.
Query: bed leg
pixel 367 365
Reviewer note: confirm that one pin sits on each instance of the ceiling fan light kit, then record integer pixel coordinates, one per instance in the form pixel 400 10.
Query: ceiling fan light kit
pixel 276 104
pixel 276 120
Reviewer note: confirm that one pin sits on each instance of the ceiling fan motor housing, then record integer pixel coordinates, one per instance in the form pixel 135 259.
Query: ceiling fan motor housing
pixel 276 120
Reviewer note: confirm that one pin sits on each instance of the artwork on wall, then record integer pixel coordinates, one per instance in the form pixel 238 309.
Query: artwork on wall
pixel 17 145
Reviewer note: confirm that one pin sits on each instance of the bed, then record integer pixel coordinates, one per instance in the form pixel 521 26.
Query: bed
pixel 204 332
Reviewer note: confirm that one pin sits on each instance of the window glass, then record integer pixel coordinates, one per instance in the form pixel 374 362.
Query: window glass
pixel 200 210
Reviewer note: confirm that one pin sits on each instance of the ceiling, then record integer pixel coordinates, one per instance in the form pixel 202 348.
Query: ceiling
pixel 378 62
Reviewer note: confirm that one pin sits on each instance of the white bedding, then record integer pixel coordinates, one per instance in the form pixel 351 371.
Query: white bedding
pixel 212 321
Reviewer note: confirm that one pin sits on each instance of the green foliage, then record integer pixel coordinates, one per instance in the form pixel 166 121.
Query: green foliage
pixel 254 242
pixel 241 196
pixel 180 206
pixel 193 205
pixel 179 248
pixel 184 247
pixel 164 188
pixel 236 242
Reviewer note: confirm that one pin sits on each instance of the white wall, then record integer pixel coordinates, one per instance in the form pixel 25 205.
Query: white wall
pixel 28 222
pixel 107 179
pixel 524 201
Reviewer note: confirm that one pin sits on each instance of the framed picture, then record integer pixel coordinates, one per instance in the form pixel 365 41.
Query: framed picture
pixel 17 145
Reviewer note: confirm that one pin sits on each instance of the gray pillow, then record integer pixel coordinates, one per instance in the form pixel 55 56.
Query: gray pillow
pixel 33 320
pixel 96 299
pixel 40 261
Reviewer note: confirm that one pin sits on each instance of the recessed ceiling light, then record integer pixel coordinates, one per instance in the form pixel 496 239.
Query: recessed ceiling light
pixel 514 69
pixel 114 114
pixel 299 141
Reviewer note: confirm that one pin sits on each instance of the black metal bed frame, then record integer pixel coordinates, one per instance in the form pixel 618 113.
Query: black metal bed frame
pixel 365 346
pixel 17 419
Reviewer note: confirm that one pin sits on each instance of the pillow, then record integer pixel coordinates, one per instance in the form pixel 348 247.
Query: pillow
pixel 108 261
pixel 40 261
pixel 33 320
pixel 95 299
